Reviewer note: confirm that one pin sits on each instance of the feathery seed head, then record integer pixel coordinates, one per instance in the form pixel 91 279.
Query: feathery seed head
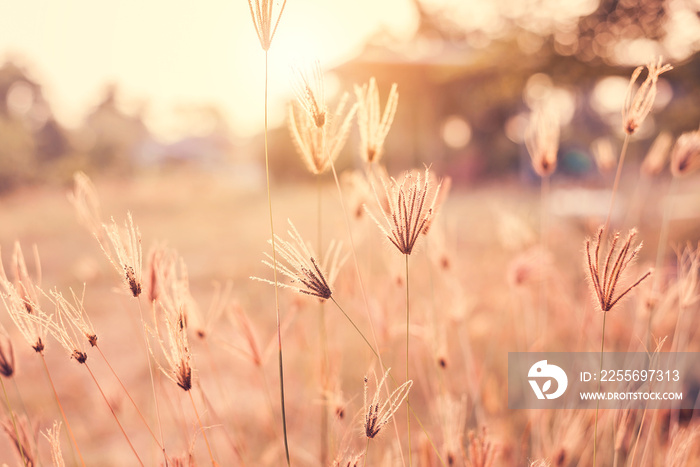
pixel 685 157
pixel 53 436
pixel 453 417
pixel 310 92
pixel 377 414
pixel 173 287
pixel 689 275
pixel 7 354
pixel 175 347
pixel 480 450
pixel 374 126
pixel 411 207
pixel 86 203
pixel 603 154
pixel 264 20
pixel 21 432
pixel 657 156
pixel 22 304
pixel 637 107
pixel 70 323
pixel 74 314
pixel 320 145
pixel 542 139
pixel 25 285
pixel 303 268
pixel 606 281
pixel 125 252
pixel 348 460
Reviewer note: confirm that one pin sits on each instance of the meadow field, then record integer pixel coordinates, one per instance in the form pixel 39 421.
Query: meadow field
pixel 479 283
pixel 355 303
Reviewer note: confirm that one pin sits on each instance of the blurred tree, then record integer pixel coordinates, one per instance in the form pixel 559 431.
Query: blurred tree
pixel 29 135
pixel 114 137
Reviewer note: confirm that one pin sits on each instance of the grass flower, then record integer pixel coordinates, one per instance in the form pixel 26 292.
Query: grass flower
pixel 125 252
pixel 308 277
pixel 685 157
pixel 309 88
pixel 86 203
pixel 657 156
pixel 606 282
pixel 453 417
pixel 318 136
pixel 411 206
pixel 74 314
pixel 480 450
pixel 20 434
pixel 603 154
pixel 53 436
pixel 378 414
pixel 64 332
pixel 178 357
pixel 319 145
pixel 264 20
pixel 30 320
pixel 374 125
pixel 637 106
pixel 175 347
pixel 542 139
pixel 7 354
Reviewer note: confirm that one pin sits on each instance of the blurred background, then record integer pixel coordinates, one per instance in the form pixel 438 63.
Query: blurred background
pixel 129 86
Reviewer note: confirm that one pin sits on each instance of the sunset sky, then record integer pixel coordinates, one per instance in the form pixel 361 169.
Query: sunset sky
pixel 175 52
pixel 166 54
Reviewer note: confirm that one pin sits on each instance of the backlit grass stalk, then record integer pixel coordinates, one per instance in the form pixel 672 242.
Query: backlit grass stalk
pixel 7 369
pixel 265 25
pixel 121 384
pixel 71 321
pixel 63 413
pixel 13 420
pixel 634 111
pixel 542 142
pixel 113 413
pixel 604 283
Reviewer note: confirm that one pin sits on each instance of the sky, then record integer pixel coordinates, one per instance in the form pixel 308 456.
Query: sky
pixel 170 53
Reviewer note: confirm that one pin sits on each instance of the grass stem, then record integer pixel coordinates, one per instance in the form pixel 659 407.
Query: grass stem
pixel 14 423
pixel 153 384
pixel 113 413
pixel 597 405
pixel 616 183
pixel 138 411
pixel 274 269
pixel 63 414
pixel 201 427
pixel 408 407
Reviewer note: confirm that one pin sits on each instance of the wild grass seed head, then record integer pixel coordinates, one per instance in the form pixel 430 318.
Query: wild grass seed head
pixel 637 106
pixel 53 436
pixel 606 278
pixel 265 20
pixel 411 207
pixel 542 138
pixel 21 432
pixel 124 252
pixel 657 156
pixel 685 158
pixel 307 275
pixel 86 203
pixel 7 354
pixel 378 414
pixel 374 125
